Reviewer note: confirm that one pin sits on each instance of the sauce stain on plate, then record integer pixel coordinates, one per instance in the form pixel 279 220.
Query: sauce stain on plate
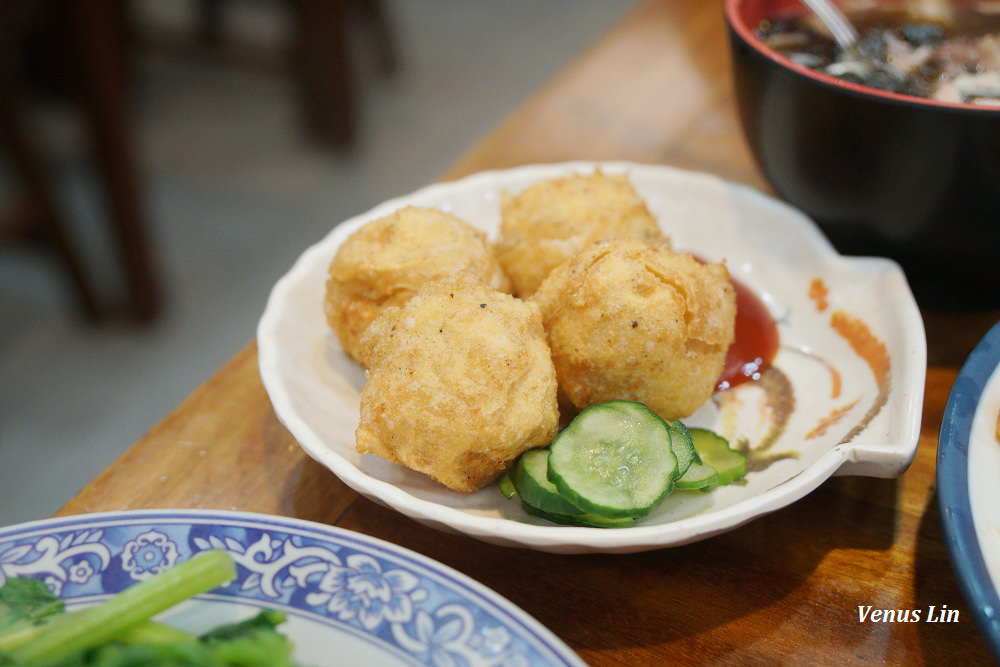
pixel 756 338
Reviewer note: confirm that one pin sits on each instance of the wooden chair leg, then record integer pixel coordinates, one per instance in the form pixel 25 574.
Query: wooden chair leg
pixel 209 22
pixel 39 214
pixel 321 59
pixel 99 44
pixel 373 17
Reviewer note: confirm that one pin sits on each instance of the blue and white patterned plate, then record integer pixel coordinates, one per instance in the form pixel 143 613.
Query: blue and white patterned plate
pixel 350 598
pixel 968 472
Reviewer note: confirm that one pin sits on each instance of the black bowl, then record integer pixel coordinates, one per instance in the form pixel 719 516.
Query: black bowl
pixel 882 174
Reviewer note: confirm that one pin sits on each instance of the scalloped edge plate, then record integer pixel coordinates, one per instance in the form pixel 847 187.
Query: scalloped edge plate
pixel 857 396
pixel 320 576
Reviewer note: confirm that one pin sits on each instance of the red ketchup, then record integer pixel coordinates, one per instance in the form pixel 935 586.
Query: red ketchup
pixel 755 343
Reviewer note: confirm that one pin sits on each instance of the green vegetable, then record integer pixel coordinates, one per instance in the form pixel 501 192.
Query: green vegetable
pixel 250 643
pixel 80 630
pixel 540 497
pixel 699 477
pixel 530 478
pixel 614 463
pixel 151 632
pixel 267 619
pixel 26 599
pixel 119 632
pixel 716 452
pixel 25 603
pixel 588 520
pixel 614 460
pixel 507 487
pixel 682 446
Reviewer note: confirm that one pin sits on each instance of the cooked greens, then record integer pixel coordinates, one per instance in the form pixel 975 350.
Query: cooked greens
pixel 119 632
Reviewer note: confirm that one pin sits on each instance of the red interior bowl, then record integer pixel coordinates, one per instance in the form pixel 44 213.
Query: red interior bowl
pixel 883 174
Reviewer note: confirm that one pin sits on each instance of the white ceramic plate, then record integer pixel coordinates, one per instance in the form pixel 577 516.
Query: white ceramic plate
pixel 857 387
pixel 968 475
pixel 350 599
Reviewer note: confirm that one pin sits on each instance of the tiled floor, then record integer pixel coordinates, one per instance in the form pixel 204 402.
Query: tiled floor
pixel 234 196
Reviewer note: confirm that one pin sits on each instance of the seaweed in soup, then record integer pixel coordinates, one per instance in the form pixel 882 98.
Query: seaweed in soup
pixel 957 60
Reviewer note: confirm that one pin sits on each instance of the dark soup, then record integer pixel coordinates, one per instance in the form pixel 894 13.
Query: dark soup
pixel 936 50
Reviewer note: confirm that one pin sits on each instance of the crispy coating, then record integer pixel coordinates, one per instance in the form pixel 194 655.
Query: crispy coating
pixel 548 222
pixel 460 383
pixel 385 262
pixel 635 320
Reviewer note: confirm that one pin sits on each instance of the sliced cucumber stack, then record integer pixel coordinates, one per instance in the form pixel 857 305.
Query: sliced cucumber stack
pixel 614 463
pixel 682 444
pixel 614 460
pixel 714 450
pixel 540 497
pixel 699 477
pixel 530 477
pixel 588 520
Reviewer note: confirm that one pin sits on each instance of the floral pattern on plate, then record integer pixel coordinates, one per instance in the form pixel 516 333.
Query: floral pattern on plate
pixel 335 583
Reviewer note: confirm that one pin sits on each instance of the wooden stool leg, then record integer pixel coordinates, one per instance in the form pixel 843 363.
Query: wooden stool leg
pixel 99 44
pixel 210 22
pixel 322 62
pixel 37 213
pixel 372 14
pixel 41 213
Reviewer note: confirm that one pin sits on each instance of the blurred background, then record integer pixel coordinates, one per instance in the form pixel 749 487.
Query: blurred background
pixel 238 150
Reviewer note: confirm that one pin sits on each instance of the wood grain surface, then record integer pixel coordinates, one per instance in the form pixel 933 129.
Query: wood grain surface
pixel 783 589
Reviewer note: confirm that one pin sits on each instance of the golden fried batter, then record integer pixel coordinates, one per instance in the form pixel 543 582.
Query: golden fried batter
pixel 460 383
pixel 635 320
pixel 383 263
pixel 548 222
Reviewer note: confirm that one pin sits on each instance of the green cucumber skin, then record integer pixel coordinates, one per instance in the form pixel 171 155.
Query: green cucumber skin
pixel 585 520
pixel 699 477
pixel 715 451
pixel 529 476
pixel 506 485
pixel 682 445
pixel 612 431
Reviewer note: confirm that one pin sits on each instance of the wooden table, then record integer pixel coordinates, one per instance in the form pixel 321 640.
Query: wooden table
pixel 783 589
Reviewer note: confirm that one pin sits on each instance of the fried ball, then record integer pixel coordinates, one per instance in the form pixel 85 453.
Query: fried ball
pixel 385 262
pixel 635 320
pixel 548 222
pixel 460 383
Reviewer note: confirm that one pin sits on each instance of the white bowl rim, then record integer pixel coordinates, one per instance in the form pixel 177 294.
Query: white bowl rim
pixel 849 458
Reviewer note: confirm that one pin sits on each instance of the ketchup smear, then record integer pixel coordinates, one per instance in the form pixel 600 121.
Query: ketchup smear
pixel 755 343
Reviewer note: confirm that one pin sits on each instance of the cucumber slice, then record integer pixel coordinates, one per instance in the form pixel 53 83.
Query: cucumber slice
pixel 715 451
pixel 614 460
pixel 529 476
pixel 506 485
pixel 682 446
pixel 588 520
pixel 699 477
pixel 540 497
